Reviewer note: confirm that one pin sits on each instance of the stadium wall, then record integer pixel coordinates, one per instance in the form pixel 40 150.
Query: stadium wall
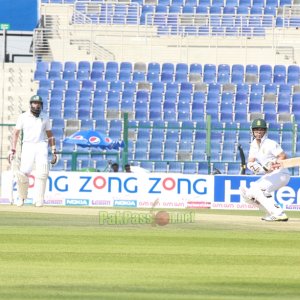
pixel 141 190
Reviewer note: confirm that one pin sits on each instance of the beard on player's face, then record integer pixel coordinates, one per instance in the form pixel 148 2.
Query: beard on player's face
pixel 36 108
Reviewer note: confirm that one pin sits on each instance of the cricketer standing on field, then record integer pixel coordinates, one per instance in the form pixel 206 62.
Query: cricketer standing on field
pixel 264 155
pixel 37 134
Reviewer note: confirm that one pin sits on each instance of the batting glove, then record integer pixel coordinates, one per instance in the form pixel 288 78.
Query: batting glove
pixel 11 155
pixel 256 168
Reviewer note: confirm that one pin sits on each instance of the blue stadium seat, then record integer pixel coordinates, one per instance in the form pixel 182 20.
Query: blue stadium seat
pixel 87 84
pixel 70 66
pixel 265 78
pixel 280 69
pixel 233 169
pixel 40 75
pixel 102 85
pixel 254 107
pixel 112 66
pixel 54 74
pixel 68 75
pixel 279 78
pixel 69 113
pixel 242 87
pixel 85 65
pixel 293 78
pixel 100 96
pixel 283 107
pixel 181 77
pixel 45 84
pixel 42 66
pixel 174 9
pixel 153 77
pixel 240 116
pixel 172 87
pixel 251 69
pixel 111 75
pixel 223 78
pixel 57 93
pixel 56 66
pixel 125 75
pixel 270 11
pixel 227 97
pixel 59 84
pixel 175 167
pixel 166 77
pixel 237 69
pixel 284 98
pixel 98 66
pixel 96 75
pixel 269 107
pixel 138 76
pixel 186 87
pixel 195 68
pixel 293 69
pixel 285 88
pixel 82 74
pixel 71 94
pixel 116 86
pixel 271 88
pixel 256 88
pixel 256 10
pixel 154 67
pixel 237 78
pixel 255 98
pixel 182 68
pixel 213 97
pixel 184 115
pixel 241 97
pixel 168 68
pixel 214 87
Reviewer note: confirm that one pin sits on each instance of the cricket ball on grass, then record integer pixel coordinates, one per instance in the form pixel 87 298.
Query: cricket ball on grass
pixel 162 218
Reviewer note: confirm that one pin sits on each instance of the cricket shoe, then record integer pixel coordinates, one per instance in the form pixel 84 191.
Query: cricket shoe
pixel 20 202
pixel 279 218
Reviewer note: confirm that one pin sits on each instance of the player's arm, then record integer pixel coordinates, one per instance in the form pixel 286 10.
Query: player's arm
pixel 276 164
pixel 15 137
pixel 52 145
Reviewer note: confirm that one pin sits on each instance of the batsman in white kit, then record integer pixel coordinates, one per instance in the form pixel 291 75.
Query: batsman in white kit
pixel 37 135
pixel 265 158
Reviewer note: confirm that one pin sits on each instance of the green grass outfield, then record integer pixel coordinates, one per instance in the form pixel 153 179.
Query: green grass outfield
pixel 66 254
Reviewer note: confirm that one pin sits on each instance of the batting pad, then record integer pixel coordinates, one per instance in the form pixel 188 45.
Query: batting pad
pixel 40 184
pixel 22 182
pixel 267 202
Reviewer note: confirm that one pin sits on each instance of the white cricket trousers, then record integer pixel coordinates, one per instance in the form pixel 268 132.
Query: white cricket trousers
pixel 33 153
pixel 273 181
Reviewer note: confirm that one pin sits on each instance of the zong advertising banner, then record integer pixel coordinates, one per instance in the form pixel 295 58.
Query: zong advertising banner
pixel 132 190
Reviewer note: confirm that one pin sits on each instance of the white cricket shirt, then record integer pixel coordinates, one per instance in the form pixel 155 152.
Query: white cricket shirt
pixel 34 128
pixel 267 151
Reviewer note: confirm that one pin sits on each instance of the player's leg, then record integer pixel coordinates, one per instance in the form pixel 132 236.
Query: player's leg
pixel 249 198
pixel 267 185
pixel 41 175
pixel 22 186
pixel 27 159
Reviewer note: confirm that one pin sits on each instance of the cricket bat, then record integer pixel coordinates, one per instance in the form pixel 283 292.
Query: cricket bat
pixel 290 162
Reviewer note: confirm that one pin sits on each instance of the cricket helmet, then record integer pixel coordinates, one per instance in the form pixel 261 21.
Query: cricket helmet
pixel 259 123
pixel 36 98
